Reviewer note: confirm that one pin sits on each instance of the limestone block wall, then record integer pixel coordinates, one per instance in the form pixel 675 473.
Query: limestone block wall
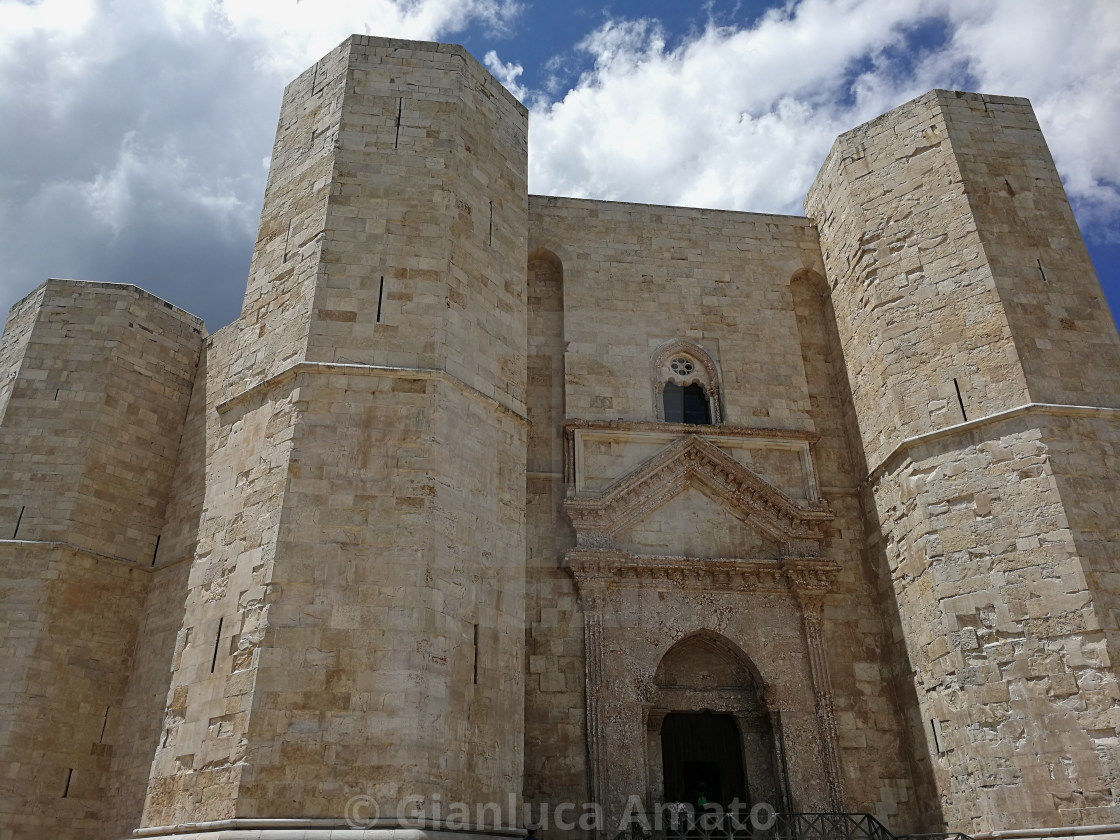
pixel 275 313
pixel 390 665
pixel 92 427
pixel 919 314
pixel 555 734
pixel 1013 668
pixel 741 286
pixel 1005 608
pixel 202 746
pixel 88 444
pixel 1084 445
pixel 424 247
pixel 354 623
pixel 393 228
pixel 135 729
pixel 636 276
pixel 70 619
pixel 140 724
pixel 1063 331
pixel 13 344
pixel 873 692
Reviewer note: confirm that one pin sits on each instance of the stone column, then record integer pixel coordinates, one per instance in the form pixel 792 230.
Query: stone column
pixel 810 590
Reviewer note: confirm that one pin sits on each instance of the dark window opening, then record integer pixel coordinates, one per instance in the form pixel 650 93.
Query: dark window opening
pixel 686 405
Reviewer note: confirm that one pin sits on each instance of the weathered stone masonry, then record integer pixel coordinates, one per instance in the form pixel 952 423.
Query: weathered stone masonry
pixel 424 526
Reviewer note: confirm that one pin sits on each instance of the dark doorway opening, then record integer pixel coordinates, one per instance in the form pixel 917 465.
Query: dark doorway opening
pixel 702 758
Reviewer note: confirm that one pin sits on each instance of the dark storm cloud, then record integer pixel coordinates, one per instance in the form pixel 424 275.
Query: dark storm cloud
pixel 133 132
pixel 142 165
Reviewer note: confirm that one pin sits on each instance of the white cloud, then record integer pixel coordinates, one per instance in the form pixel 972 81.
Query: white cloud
pixel 1066 58
pixel 730 118
pixel 131 131
pixel 298 32
pixel 507 73
pixel 742 118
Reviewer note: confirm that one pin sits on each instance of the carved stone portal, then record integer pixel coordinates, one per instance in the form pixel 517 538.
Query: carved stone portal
pixel 710 631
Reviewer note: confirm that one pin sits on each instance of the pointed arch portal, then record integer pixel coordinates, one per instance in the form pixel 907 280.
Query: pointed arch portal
pixel 712 739
pixel 676 708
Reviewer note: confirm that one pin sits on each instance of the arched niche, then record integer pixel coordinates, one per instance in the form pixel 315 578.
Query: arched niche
pixel 544 394
pixel 709 719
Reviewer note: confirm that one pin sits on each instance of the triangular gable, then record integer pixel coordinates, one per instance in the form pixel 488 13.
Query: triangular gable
pixel 696 523
pixel 694 461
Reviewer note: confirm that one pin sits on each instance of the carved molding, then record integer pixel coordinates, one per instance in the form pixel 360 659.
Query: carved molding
pixel 594 569
pixel 707 375
pixel 810 589
pixel 694 461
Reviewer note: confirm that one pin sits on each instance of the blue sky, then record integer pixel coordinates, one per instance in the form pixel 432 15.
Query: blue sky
pixel 134 134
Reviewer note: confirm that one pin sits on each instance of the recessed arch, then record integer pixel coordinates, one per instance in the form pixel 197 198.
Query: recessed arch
pixel 705 659
pixel 551 260
pixel 709 722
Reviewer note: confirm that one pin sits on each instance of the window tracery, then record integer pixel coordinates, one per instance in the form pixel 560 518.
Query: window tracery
pixel 685 383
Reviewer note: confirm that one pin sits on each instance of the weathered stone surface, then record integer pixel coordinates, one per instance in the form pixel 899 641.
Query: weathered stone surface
pixel 489 497
pixel 985 375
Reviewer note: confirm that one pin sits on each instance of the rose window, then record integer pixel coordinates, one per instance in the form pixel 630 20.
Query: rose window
pixel 682 366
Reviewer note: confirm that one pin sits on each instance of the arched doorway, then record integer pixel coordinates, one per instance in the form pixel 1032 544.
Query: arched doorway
pixel 711 735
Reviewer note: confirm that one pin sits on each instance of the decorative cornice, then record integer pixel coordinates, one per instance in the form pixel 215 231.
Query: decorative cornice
pixel 1052 832
pixel 1026 410
pixel 326 829
pixel 593 568
pixel 687 462
pixel 688 429
pixel 346 369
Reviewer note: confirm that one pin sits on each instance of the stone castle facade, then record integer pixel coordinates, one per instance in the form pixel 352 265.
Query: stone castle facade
pixel 490 495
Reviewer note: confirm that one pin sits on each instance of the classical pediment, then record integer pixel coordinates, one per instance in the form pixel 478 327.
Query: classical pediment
pixel 688 465
pixel 696 523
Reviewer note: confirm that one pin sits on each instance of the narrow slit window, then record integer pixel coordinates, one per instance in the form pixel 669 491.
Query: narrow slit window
pixel 935 728
pixel 960 400
pixel 476 654
pixel 217 643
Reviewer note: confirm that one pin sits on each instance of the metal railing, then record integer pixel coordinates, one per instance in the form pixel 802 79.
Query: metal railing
pixel 670 824
pixel 828 826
